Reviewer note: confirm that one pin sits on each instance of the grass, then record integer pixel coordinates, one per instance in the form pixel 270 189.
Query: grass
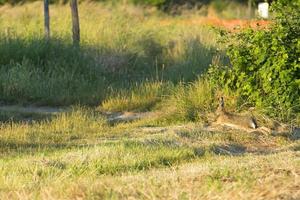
pixel 129 60
pixel 79 154
pixel 119 50
pixel 143 97
pixel 191 101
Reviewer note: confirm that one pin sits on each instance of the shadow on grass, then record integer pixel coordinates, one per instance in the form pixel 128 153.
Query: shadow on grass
pixel 17 117
pixel 57 73
pixel 232 149
pixel 15 148
pixel 296 147
pixel 9 148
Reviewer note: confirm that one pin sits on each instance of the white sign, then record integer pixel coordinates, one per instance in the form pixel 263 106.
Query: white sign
pixel 263 10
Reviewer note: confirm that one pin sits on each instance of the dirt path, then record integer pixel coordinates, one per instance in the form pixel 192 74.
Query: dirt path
pixel 32 109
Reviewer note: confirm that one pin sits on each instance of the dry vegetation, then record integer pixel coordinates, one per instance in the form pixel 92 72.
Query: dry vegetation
pixel 80 154
pixel 129 60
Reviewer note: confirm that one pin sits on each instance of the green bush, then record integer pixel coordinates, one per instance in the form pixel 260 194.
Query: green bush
pixel 265 65
pixel 149 2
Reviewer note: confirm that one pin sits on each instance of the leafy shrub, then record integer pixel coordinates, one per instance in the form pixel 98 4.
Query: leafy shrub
pixel 265 64
pixel 149 2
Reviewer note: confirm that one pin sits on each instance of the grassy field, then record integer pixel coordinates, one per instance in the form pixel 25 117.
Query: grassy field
pixel 119 49
pixel 135 60
pixel 82 155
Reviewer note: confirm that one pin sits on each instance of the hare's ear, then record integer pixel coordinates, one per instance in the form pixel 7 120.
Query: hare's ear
pixel 221 102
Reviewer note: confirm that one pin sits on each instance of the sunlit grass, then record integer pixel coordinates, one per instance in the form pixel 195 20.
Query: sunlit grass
pixel 138 98
pixel 129 60
pixel 121 47
pixel 81 149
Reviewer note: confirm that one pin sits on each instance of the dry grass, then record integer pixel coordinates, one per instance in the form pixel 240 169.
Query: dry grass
pixel 250 177
pixel 247 177
pixel 80 155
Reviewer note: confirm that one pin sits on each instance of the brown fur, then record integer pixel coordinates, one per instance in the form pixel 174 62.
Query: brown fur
pixel 234 120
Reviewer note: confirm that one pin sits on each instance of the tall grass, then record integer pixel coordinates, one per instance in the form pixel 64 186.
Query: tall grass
pixel 142 97
pixel 56 131
pixel 192 101
pixel 120 48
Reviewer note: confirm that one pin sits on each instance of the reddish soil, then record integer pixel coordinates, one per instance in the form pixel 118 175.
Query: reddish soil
pixel 222 23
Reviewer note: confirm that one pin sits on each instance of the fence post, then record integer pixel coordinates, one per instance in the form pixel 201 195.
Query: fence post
pixel 75 22
pixel 250 3
pixel 46 19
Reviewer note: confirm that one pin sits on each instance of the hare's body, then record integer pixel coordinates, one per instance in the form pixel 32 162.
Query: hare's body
pixel 233 120
pixel 237 121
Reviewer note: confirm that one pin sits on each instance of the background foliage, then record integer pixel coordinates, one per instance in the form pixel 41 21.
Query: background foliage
pixel 265 67
pixel 159 3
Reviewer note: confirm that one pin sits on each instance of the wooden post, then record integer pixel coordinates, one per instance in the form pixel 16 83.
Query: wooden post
pixel 249 8
pixel 47 19
pixel 75 22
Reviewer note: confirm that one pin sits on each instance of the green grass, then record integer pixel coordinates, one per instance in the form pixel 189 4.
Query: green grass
pixel 129 60
pixel 190 101
pixel 120 49
pixel 141 97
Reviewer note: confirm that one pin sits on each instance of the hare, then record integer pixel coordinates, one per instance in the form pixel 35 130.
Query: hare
pixel 232 120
